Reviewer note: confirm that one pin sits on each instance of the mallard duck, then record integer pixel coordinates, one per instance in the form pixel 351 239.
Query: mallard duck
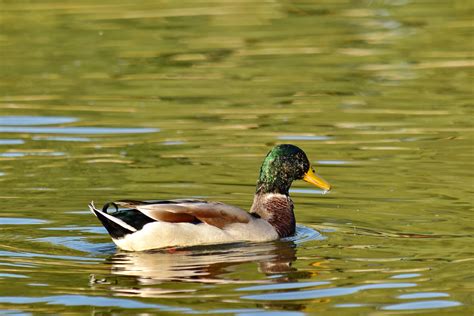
pixel 139 225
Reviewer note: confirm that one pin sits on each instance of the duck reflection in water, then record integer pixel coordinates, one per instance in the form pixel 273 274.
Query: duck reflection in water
pixel 211 265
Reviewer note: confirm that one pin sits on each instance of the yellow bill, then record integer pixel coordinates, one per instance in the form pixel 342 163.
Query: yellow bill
pixel 316 180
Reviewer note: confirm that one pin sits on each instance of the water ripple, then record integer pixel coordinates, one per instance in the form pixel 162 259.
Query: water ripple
pixel 423 295
pixel 18 254
pixel 405 276
pixel 20 221
pixel 62 138
pixel 12 275
pixel 15 154
pixel 282 286
pixel 304 234
pixel 77 130
pixel 35 120
pixel 319 293
pixel 11 141
pixel 435 304
pixel 83 300
pixel 303 137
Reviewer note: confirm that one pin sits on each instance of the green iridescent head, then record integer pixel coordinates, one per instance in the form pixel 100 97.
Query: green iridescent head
pixel 284 164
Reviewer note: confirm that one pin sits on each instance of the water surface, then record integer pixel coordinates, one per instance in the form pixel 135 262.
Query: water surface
pixel 158 100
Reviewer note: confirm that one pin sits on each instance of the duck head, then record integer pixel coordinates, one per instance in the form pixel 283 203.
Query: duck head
pixel 284 164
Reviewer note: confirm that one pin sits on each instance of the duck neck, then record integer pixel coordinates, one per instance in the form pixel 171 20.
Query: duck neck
pixel 277 209
pixel 277 187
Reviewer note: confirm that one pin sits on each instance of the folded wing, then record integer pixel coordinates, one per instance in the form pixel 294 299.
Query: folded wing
pixel 191 211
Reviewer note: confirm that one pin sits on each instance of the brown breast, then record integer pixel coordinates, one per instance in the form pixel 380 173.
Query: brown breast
pixel 277 209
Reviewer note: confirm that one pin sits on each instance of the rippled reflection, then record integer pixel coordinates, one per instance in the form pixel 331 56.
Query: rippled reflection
pixel 209 264
pixel 201 264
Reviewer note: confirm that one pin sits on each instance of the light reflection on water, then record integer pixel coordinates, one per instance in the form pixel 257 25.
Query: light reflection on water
pixel 62 138
pixel 76 130
pixel 20 221
pixel 330 292
pixel 434 304
pixel 11 142
pixel 23 154
pixel 35 120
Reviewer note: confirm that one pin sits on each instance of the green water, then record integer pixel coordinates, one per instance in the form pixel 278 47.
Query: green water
pixel 156 100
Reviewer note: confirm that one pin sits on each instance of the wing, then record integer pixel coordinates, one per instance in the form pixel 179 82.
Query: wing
pixel 191 211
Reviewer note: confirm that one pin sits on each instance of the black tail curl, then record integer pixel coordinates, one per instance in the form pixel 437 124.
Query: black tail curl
pixel 107 205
